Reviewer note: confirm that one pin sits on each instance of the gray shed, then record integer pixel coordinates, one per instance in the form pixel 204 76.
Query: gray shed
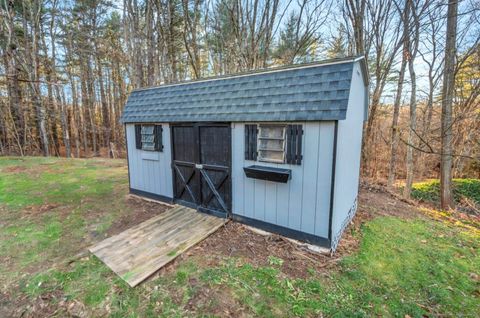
pixel 277 149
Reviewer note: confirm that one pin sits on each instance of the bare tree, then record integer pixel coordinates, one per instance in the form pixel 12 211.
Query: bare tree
pixel 381 28
pixel 417 9
pixel 355 10
pixel 430 55
pixel 302 32
pixel 395 137
pixel 446 198
pixel 32 12
pixel 191 32
pixel 11 58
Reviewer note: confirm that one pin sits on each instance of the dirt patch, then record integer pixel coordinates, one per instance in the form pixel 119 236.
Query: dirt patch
pixel 378 201
pixel 237 240
pixel 33 172
pixel 141 210
pixel 34 210
pixel 224 305
pixel 14 169
pixel 49 304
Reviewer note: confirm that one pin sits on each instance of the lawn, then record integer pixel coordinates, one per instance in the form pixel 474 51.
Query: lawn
pixel 52 209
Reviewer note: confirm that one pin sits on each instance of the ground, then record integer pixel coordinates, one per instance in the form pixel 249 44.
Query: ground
pixel 396 259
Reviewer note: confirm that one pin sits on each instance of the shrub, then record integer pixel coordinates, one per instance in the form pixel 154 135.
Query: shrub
pixel 462 188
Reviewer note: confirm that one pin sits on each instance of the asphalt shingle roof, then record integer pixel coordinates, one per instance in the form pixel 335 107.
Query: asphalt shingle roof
pixel 302 93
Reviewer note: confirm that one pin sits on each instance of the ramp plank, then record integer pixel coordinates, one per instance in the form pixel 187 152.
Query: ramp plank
pixel 140 251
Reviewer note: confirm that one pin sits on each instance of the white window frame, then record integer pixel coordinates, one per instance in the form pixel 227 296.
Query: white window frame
pixel 261 150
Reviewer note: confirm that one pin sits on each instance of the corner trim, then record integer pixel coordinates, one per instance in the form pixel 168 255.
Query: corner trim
pixel 332 182
pixel 290 233
pixel 128 160
pixel 150 195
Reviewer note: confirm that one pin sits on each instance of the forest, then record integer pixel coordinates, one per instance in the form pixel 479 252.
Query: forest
pixel 67 68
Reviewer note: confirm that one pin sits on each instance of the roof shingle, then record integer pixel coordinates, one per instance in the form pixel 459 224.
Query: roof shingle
pixel 305 93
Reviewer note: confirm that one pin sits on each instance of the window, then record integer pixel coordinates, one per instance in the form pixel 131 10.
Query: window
pixel 271 143
pixel 277 143
pixel 149 137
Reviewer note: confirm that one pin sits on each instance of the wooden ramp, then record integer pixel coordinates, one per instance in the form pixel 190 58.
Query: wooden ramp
pixel 138 252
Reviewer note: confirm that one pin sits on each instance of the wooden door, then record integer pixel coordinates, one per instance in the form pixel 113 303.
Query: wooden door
pixel 202 166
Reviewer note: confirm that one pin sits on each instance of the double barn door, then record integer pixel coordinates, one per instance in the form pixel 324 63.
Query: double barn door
pixel 202 166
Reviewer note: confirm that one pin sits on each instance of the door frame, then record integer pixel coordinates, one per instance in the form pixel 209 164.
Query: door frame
pixel 197 126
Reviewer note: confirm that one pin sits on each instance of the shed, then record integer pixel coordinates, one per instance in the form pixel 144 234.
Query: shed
pixel 277 149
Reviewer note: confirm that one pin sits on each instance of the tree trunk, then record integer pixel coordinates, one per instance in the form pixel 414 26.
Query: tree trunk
pixel 76 121
pixel 413 126
pixel 64 122
pixel 90 107
pixel 32 13
pixel 447 101
pixel 59 96
pixel 410 165
pixel 85 105
pixel 13 87
pixel 103 101
pixel 395 137
pixel 15 109
pixel 150 45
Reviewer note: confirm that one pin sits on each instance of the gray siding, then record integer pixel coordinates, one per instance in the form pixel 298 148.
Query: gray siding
pixel 303 203
pixel 347 170
pixel 150 171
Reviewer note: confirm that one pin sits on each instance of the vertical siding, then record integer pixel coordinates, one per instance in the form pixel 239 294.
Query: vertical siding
pixel 324 177
pixel 303 202
pixel 349 143
pixel 150 171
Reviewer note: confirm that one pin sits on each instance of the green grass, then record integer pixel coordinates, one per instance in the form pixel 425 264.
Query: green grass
pixel 54 181
pixel 49 207
pixel 28 242
pixel 423 273
pixel 462 188
pixel 405 266
pixel 89 281
pixel 416 267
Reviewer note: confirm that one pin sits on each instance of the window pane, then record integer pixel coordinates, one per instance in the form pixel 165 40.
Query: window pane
pixel 271 144
pixel 271 131
pixel 148 138
pixel 148 146
pixel 276 156
pixel 147 129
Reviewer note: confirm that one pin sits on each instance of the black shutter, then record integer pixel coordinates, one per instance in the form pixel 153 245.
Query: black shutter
pixel 299 156
pixel 251 142
pixel 158 132
pixel 138 136
pixel 294 144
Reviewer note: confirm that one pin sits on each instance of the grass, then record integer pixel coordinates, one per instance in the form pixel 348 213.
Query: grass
pixel 426 272
pixel 462 188
pixel 55 181
pixel 416 267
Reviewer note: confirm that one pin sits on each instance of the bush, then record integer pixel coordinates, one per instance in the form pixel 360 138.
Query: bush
pixel 462 188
